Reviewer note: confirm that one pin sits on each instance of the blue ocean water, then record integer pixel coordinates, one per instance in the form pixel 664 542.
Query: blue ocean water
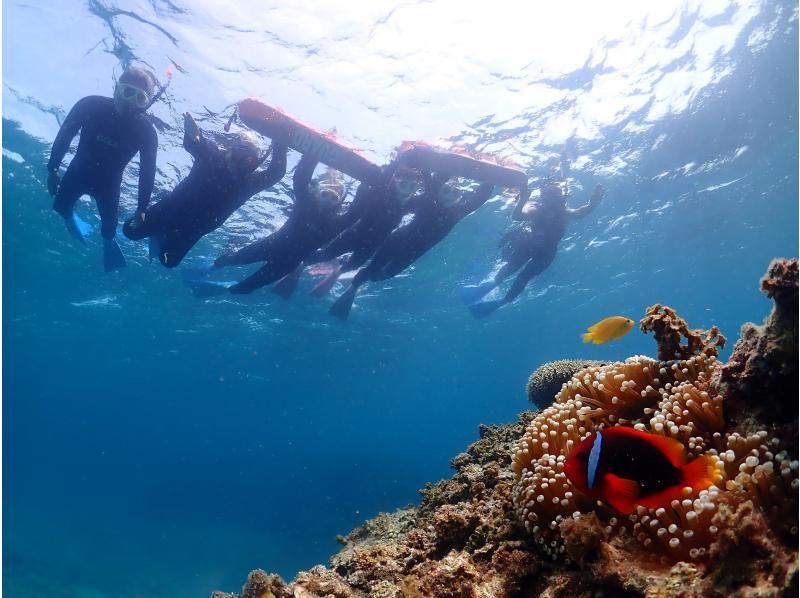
pixel 159 445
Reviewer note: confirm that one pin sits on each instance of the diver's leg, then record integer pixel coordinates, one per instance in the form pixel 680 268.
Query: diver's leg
pixel 72 186
pixel 277 267
pixel 107 201
pixel 535 266
pixel 258 251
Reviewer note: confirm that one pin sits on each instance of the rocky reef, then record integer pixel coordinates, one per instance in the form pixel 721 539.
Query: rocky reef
pixel 509 523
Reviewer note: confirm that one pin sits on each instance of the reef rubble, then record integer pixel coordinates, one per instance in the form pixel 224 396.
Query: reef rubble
pixel 509 524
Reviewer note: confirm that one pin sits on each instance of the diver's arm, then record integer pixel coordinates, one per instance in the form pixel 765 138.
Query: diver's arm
pixel 80 113
pixel 520 212
pixel 147 165
pixel 358 206
pixel 199 147
pixel 599 191
pixel 264 179
pixel 301 181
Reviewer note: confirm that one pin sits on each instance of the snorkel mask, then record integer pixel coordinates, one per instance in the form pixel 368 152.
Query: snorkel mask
pixel 329 189
pixel 449 195
pixel 405 184
pixel 244 155
pixel 329 194
pixel 136 91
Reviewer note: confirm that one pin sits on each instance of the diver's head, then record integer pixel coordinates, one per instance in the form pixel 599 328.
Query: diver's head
pixel 243 155
pixel 405 183
pixel 449 194
pixel 135 91
pixel 329 190
pixel 551 191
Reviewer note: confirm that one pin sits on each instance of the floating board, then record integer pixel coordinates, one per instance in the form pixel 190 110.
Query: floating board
pixel 275 124
pixel 427 157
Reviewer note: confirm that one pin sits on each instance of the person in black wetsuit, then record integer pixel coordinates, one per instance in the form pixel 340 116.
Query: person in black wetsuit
pixel 381 206
pixel 436 212
pixel 112 131
pixel 218 184
pixel 313 222
pixel 529 249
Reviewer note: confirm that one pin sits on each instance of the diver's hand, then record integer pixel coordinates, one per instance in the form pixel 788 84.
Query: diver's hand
pixel 598 194
pixel 190 128
pixel 53 181
pixel 138 218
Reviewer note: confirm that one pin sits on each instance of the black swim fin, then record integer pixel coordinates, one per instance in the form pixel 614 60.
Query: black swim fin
pixel 113 259
pixel 341 308
pixel 483 309
pixel 286 286
pixel 208 288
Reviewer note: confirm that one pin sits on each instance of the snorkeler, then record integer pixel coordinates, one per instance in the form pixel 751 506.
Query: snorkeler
pixel 530 248
pixel 436 212
pixel 218 184
pixel 112 132
pixel 381 206
pixel 314 221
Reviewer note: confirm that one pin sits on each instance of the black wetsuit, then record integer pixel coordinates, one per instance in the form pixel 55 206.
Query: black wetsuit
pixel 108 141
pixel 432 222
pixel 381 212
pixel 203 201
pixel 309 227
pixel 532 248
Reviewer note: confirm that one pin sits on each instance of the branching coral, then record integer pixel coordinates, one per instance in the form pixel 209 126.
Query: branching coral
pixel 669 329
pixel 548 378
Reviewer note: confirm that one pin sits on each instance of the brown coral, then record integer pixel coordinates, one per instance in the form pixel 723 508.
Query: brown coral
pixel 548 378
pixel 669 329
pixel 764 362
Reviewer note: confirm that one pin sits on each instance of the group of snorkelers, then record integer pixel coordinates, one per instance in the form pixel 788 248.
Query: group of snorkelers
pixel 391 222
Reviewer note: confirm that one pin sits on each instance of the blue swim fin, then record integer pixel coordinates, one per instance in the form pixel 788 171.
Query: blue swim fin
pixel 472 293
pixel 208 288
pixel 78 228
pixel 195 273
pixel 113 259
pixel 341 308
pixel 483 309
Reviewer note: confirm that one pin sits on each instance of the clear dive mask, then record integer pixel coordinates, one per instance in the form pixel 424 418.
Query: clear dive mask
pixel 131 97
pixel 449 195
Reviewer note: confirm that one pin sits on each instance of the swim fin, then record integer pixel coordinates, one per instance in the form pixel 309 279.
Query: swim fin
pixel 192 274
pixel 341 308
pixel 78 228
pixel 208 288
pixel 472 293
pixel 113 259
pixel 483 309
pixel 323 288
pixel 153 247
pixel 286 286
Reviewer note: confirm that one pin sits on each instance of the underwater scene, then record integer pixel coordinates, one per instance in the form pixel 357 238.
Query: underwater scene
pixel 399 299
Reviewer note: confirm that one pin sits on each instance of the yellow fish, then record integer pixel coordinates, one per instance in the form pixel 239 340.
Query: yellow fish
pixel 608 330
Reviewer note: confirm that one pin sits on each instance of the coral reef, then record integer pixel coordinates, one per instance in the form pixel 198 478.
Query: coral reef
pixel 548 378
pixel 509 523
pixel 764 362
pixel 669 329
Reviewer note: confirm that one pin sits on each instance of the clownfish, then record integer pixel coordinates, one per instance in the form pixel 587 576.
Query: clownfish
pixel 624 467
pixel 608 330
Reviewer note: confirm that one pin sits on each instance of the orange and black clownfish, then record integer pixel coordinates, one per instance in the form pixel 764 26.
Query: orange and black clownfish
pixel 624 467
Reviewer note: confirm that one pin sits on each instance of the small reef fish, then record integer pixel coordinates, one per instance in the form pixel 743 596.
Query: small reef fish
pixel 608 330
pixel 625 467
